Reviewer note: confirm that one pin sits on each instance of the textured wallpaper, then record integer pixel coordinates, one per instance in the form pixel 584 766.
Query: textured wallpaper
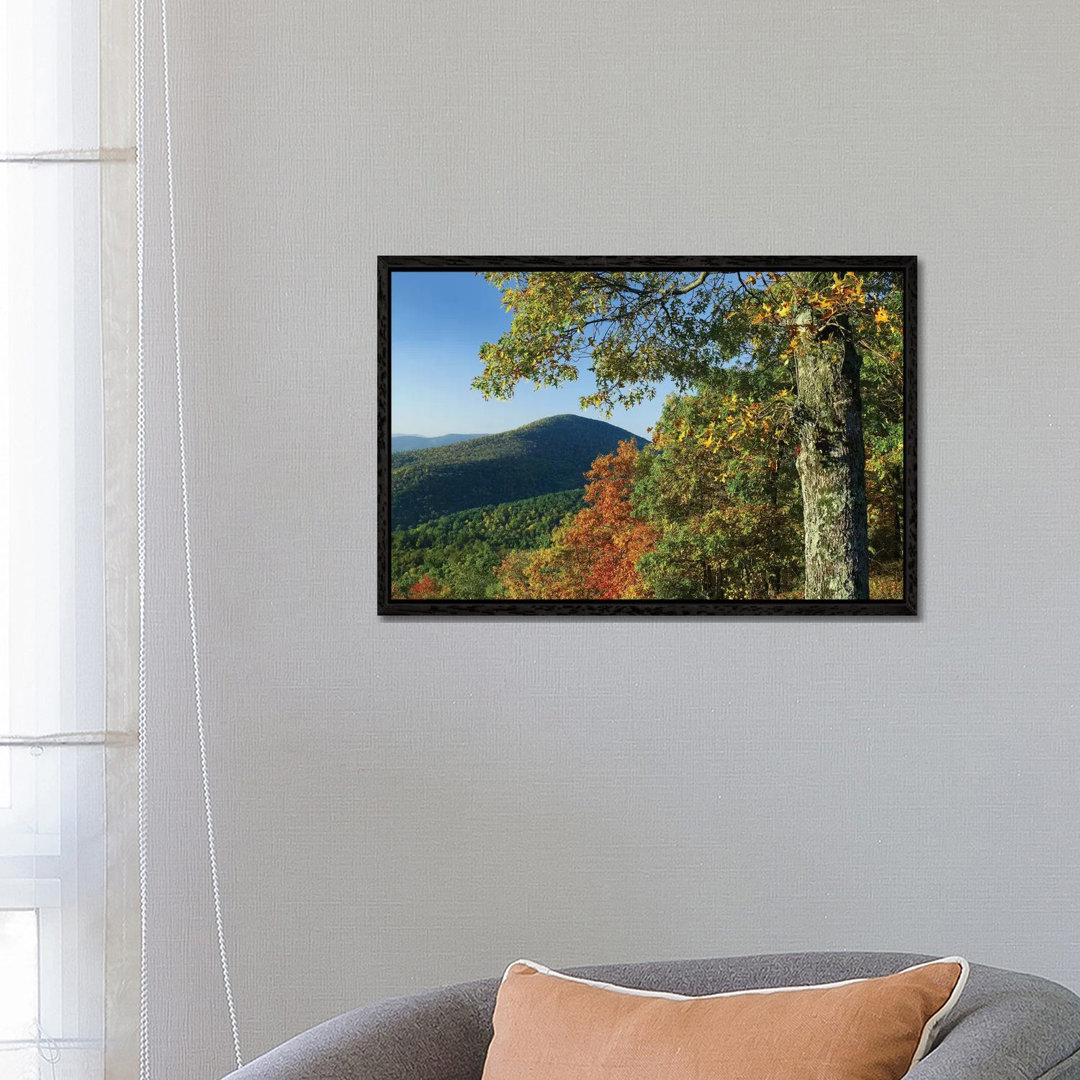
pixel 407 803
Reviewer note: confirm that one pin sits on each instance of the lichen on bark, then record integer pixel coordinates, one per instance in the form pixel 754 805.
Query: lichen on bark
pixel 831 465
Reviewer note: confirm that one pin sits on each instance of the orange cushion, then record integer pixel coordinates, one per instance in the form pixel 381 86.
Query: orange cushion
pixel 550 1026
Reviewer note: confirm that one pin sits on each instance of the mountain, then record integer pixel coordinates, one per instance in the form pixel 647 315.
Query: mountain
pixel 542 457
pixel 421 442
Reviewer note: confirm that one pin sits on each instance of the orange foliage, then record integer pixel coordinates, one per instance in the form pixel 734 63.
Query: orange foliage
pixel 606 531
pixel 425 589
pixel 594 555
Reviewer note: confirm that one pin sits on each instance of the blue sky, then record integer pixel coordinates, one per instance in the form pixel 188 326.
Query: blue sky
pixel 438 321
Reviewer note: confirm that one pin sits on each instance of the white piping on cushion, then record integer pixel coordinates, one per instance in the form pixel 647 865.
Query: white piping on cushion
pixel 932 1024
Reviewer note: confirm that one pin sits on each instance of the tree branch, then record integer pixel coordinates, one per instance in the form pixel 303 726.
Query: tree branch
pixel 681 290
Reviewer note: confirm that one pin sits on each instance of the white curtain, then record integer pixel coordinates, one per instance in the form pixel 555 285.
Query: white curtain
pixel 64 200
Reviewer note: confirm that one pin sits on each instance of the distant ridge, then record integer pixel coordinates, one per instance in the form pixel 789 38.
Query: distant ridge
pixel 545 456
pixel 422 442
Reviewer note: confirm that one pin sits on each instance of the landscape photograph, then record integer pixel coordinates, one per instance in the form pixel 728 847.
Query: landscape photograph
pixel 604 436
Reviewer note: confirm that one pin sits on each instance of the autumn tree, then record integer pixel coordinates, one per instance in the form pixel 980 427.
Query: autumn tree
pixel 426 589
pixel 719 485
pixel 806 331
pixel 556 572
pixel 594 554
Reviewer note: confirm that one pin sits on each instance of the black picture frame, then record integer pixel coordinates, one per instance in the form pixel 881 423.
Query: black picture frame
pixel 387 605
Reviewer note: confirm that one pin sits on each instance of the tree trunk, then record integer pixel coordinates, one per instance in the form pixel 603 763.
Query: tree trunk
pixel 832 466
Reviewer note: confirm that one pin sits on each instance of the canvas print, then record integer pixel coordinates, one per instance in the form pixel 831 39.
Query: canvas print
pixel 664 436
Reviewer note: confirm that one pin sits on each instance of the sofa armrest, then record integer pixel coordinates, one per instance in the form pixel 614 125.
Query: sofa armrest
pixel 440 1034
pixel 1007 1026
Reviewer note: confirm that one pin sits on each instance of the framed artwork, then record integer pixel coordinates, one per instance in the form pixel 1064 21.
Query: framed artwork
pixel 646 436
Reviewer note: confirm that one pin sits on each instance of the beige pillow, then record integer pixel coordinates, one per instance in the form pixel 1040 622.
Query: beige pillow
pixel 550 1026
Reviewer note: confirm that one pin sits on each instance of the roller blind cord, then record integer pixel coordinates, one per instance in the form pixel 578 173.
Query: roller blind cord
pixel 140 458
pixel 140 99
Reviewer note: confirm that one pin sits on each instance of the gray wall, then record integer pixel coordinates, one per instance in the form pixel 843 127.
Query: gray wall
pixel 409 803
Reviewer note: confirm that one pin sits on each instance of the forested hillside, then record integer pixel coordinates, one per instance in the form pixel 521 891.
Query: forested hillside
pixel 545 456
pixel 461 551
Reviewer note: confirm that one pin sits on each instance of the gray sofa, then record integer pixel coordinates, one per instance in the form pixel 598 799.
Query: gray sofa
pixel 1005 1026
